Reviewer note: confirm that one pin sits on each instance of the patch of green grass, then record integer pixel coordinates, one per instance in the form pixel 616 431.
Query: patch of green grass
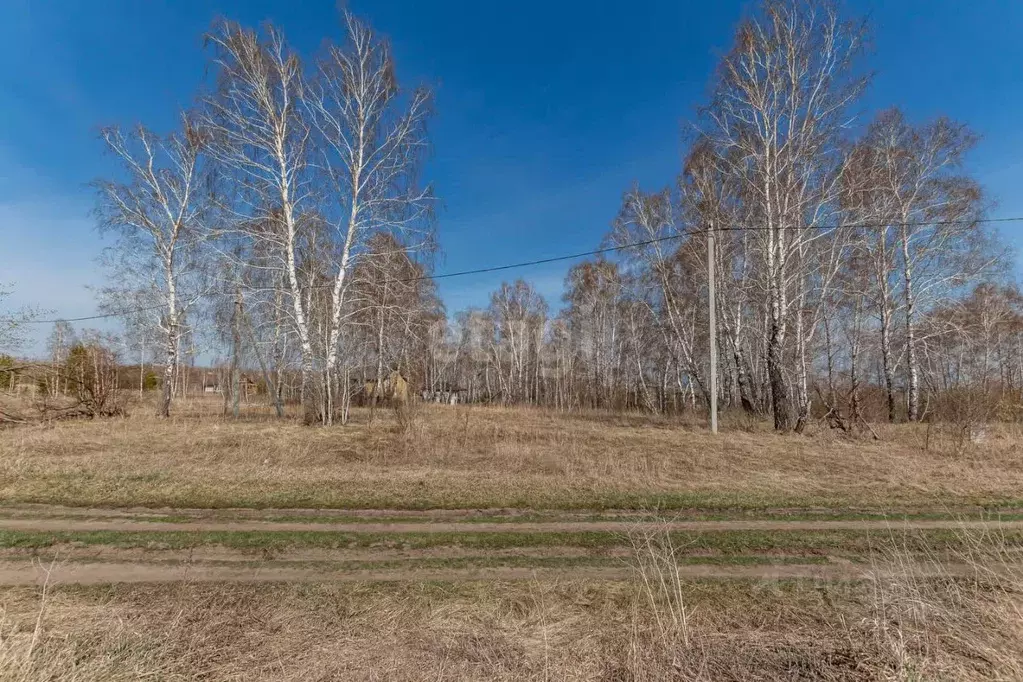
pixel 725 543
pixel 273 541
pixel 653 517
pixel 85 489
pixel 854 542
pixel 563 516
pixel 553 562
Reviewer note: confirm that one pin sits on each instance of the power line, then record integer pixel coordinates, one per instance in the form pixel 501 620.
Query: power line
pixel 688 233
pixel 593 252
pixel 120 313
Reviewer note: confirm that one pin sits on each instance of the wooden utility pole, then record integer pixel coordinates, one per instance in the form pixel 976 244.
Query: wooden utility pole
pixel 712 307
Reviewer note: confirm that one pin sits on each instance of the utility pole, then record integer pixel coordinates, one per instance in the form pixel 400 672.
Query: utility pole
pixel 713 332
pixel 236 343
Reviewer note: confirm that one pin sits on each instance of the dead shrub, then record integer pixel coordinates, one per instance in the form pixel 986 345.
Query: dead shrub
pixel 1009 410
pixel 663 644
pixel 89 377
pixel 741 420
pixel 408 418
pixel 961 418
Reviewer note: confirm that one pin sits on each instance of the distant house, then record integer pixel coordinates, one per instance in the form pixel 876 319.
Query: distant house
pixel 28 380
pixel 394 388
pixel 247 386
pixel 445 396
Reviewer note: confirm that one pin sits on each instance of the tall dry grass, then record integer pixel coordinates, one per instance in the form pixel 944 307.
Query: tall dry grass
pixel 939 614
pixel 474 456
pixel 906 621
pixel 933 622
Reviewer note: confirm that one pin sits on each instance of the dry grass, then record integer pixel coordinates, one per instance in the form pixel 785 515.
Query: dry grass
pixel 479 457
pixel 950 628
pixel 914 618
pixel 571 630
pixel 512 631
pixel 896 625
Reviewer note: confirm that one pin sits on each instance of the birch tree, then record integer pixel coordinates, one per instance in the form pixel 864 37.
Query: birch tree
pixel 394 304
pixel 710 202
pixel 520 314
pixel 261 134
pixel 58 346
pixel 930 209
pixel 781 102
pixel 661 263
pixel 374 137
pixel 160 215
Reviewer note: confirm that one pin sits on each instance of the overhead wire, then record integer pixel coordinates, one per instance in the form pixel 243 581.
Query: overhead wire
pixel 586 254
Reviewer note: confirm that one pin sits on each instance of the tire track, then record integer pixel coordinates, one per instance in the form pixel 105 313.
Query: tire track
pixel 119 525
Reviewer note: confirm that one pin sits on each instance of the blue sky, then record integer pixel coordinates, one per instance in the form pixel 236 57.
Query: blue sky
pixel 546 111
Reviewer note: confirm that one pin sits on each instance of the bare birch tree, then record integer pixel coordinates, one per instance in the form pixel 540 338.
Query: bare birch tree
pixel 261 135
pixel 374 137
pixel 160 215
pixel 661 263
pixel 783 97
pixel 58 346
pixel 931 208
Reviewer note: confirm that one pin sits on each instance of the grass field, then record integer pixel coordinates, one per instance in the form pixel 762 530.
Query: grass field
pixel 579 630
pixel 505 543
pixel 531 629
pixel 485 458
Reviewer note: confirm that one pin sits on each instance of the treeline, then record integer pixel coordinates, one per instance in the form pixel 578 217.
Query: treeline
pixel 285 224
pixel 853 263
pixel 609 348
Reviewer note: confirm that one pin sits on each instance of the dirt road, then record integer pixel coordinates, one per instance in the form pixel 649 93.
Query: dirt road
pixel 65 519
pixel 379 547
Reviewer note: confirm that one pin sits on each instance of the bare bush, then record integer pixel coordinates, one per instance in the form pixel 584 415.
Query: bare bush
pixel 961 418
pixel 409 420
pixel 664 646
pixel 90 375
pixel 741 420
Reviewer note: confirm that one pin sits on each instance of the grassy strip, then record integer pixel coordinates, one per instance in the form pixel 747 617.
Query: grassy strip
pixel 469 562
pixel 85 489
pixel 718 542
pixel 554 517
pixel 780 515
pixel 571 562
pixel 272 541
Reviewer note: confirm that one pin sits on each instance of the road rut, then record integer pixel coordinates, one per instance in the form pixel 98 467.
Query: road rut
pixel 72 525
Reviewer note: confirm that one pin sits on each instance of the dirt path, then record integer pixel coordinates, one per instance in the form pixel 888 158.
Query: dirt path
pixel 37 510
pixel 71 552
pixel 86 573
pixel 124 525
pixel 88 563
pixel 498 515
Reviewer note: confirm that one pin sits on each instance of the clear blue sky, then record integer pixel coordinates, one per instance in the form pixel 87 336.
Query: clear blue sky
pixel 546 111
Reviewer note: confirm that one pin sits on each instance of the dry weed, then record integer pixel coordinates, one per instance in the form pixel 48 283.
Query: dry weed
pixel 915 618
pixel 896 626
pixel 409 423
pixel 950 627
